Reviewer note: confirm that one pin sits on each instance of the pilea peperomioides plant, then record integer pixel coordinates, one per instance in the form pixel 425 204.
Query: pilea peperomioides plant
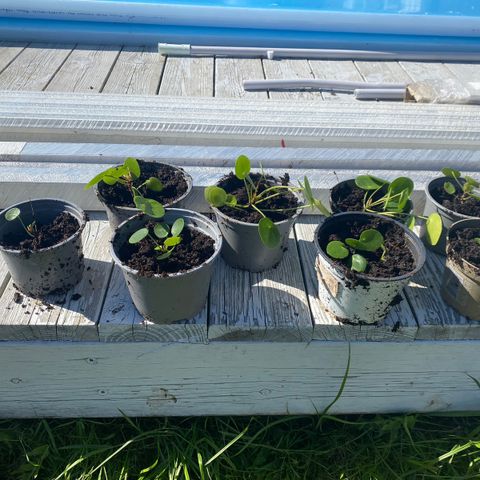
pixel 394 203
pixel 164 238
pixel 466 184
pixel 13 214
pixel 370 240
pixel 128 175
pixel 268 231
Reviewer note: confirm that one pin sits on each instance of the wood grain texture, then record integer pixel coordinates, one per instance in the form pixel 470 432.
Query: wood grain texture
pixel 230 74
pixel 138 70
pixel 228 378
pixel 382 72
pixel 34 67
pixel 421 71
pixel 400 324
pixel 269 306
pixel 187 76
pixel 71 316
pixel 85 70
pixel 8 52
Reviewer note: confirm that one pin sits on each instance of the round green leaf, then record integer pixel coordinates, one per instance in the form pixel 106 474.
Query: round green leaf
pixel 150 207
pixel 401 189
pixel 269 233
pixel 433 228
pixel 242 167
pixel 449 188
pixel 96 179
pixel 368 182
pixel 154 184
pixel 12 214
pixel 172 241
pixel 165 255
pixel 161 230
pixel 138 236
pixel 215 196
pixel 109 180
pixel 337 250
pixel 359 263
pixel 450 172
pixel 370 240
pixel 471 181
pixel 133 166
pixel 231 200
pixel 354 243
pixel 177 227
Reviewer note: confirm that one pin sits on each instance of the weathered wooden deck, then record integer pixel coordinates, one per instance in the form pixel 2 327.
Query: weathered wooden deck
pixel 263 344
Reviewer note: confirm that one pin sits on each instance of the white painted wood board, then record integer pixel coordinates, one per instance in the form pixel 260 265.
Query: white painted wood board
pixel 229 378
pixel 8 52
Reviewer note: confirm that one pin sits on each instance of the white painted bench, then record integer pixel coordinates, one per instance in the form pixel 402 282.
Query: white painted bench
pixel 263 344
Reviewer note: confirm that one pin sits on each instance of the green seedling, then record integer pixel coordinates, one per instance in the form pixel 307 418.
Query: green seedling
pixel 469 187
pixel 477 240
pixel 14 214
pixel 267 230
pixel 128 175
pixel 370 240
pixel 394 203
pixel 164 238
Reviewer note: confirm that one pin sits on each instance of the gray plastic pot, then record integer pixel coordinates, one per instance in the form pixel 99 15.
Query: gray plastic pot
pixel 370 300
pixel 449 217
pixel 242 247
pixel 335 209
pixel 461 280
pixel 175 297
pixel 118 214
pixel 56 268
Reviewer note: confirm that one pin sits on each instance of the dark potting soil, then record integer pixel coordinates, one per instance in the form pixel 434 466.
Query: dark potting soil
pixel 398 260
pixel 287 200
pixel 174 185
pixel 347 197
pixel 462 245
pixel 458 202
pixel 61 228
pixel 196 248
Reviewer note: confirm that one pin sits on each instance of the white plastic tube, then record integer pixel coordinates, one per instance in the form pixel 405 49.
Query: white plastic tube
pixel 300 84
pixel 379 93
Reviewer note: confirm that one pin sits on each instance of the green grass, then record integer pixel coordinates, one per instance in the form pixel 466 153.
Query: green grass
pixel 306 447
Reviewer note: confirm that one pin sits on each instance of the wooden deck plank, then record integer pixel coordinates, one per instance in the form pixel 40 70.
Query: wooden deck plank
pixel 468 73
pixel 85 70
pixel 436 319
pixel 230 74
pixel 344 70
pixel 377 72
pixel 184 76
pixel 138 70
pixel 34 67
pixel 290 69
pixel 420 71
pixel 121 322
pixel 9 51
pixel 269 306
pixel 400 325
pixel 71 316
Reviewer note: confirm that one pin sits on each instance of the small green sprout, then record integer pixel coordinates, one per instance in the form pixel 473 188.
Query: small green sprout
pixel 394 203
pixel 128 175
pixel 477 240
pixel 268 231
pixel 165 238
pixel 370 240
pixel 466 184
pixel 13 214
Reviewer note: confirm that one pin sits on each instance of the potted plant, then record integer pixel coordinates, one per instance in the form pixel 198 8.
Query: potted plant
pixel 454 197
pixel 370 194
pixel 461 279
pixel 137 185
pixel 255 213
pixel 167 264
pixel 41 244
pixel 364 261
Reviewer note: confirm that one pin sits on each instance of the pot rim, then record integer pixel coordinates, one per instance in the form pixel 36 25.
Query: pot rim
pixel 134 210
pixel 78 232
pixel 420 258
pixel 234 220
pixel 213 225
pixel 461 225
pixel 439 205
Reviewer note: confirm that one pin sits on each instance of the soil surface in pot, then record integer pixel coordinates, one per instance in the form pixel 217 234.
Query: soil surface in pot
pixel 196 248
pixel 347 197
pixel 61 228
pixel 287 200
pixel 398 260
pixel 462 245
pixel 457 202
pixel 173 180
